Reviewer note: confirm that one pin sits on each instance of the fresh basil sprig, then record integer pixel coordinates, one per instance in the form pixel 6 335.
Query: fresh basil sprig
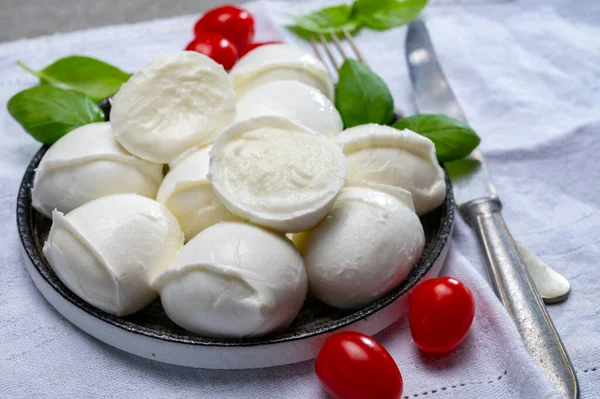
pixel 330 19
pixel 94 78
pixel 453 139
pixel 386 14
pixel 374 14
pixel 48 113
pixel 362 97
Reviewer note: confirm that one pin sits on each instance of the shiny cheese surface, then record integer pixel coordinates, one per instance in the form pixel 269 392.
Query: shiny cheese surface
pixel 89 163
pixel 279 62
pixel 234 280
pixel 180 100
pixel 275 173
pixel 109 250
pixel 365 247
pixel 296 101
pixel 404 159
pixel 188 194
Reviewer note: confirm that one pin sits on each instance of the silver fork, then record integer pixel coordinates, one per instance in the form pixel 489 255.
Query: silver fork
pixel 338 46
pixel 333 65
pixel 551 285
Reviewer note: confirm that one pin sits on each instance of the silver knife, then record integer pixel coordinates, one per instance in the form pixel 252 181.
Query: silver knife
pixel 479 204
pixel 551 285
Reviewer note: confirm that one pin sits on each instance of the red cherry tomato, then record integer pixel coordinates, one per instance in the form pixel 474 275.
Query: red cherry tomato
pixel 251 46
pixel 440 313
pixel 234 23
pixel 215 46
pixel 352 365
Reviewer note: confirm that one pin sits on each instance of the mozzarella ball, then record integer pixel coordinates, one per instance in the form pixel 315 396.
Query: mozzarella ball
pixel 276 173
pixel 188 194
pixel 404 159
pixel 178 101
pixel 109 250
pixel 279 62
pixel 234 280
pixel 88 163
pixel 296 101
pixel 364 248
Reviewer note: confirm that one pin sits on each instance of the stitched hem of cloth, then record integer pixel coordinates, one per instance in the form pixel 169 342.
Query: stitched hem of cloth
pixel 455 386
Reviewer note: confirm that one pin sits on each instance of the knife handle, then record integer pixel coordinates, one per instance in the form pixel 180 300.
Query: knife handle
pixel 516 290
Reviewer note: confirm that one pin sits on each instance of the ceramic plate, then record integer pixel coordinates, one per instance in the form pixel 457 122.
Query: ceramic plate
pixel 150 334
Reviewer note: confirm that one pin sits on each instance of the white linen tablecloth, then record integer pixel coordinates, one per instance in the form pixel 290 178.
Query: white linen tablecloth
pixel 528 77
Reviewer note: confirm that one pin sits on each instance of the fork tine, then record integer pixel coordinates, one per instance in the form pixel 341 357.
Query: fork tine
pixel 328 51
pixel 317 52
pixel 338 45
pixel 316 49
pixel 348 37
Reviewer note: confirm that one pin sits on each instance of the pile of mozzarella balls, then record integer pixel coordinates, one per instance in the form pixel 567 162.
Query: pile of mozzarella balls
pixel 266 196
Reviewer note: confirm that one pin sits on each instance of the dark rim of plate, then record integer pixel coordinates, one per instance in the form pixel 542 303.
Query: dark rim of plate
pixel 24 223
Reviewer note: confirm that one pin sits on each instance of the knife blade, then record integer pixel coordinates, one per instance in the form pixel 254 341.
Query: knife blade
pixel 433 94
pixel 480 205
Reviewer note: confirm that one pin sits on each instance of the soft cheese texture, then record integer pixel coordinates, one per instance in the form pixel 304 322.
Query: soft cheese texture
pixel 109 250
pixel 234 280
pixel 297 101
pixel 279 62
pixel 404 159
pixel 188 194
pixel 88 163
pixel 276 173
pixel 364 248
pixel 178 101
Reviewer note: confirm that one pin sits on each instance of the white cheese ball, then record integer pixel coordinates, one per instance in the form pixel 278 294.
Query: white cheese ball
pixel 400 158
pixel 88 163
pixel 109 250
pixel 188 194
pixel 279 62
pixel 234 280
pixel 276 173
pixel 364 248
pixel 178 101
pixel 297 101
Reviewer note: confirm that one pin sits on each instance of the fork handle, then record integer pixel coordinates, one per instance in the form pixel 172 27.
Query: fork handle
pixel 514 287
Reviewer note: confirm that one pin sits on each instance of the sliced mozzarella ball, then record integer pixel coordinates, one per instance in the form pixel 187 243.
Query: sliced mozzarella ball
pixel 178 101
pixel 88 163
pixel 279 62
pixel 276 173
pixel 109 250
pixel 364 248
pixel 188 194
pixel 234 280
pixel 297 101
pixel 404 159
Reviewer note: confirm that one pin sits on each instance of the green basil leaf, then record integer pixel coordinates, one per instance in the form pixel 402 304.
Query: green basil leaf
pixel 96 79
pixel 330 19
pixel 48 113
pixel 453 139
pixel 386 14
pixel 362 97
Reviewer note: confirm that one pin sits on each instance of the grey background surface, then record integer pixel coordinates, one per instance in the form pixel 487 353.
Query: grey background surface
pixel 30 18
